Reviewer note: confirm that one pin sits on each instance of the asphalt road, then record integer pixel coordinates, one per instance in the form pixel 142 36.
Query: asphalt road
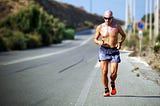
pixel 69 74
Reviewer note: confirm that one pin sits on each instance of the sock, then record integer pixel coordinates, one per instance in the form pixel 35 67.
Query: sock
pixel 106 90
pixel 112 85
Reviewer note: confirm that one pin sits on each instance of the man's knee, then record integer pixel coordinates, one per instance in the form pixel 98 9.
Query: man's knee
pixel 113 76
pixel 104 72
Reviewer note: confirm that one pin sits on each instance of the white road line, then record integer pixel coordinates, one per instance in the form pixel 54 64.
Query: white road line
pixel 46 55
pixel 84 42
pixel 139 60
pixel 97 65
pixel 37 57
pixel 84 92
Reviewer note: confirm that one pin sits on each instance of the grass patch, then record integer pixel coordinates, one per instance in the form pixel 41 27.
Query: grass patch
pixel 138 75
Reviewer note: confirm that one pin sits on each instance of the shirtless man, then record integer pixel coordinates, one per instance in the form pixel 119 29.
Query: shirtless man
pixel 109 50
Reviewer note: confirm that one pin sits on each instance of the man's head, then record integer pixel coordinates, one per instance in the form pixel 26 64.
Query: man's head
pixel 108 16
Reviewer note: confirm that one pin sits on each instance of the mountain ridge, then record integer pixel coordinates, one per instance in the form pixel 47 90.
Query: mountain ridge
pixel 72 16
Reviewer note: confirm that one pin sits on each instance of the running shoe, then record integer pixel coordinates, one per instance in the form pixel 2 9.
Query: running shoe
pixel 106 93
pixel 113 88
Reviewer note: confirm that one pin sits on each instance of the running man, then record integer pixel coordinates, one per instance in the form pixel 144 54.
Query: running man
pixel 109 50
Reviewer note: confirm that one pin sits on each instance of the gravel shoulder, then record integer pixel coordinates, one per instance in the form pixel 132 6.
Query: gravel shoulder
pixel 146 65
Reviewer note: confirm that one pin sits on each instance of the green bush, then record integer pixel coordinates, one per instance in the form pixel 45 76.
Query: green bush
pixel 58 29
pixel 133 43
pixel 33 40
pixel 50 29
pixel 157 47
pixel 18 41
pixel 69 34
pixel 46 37
pixel 5 32
pixel 158 38
pixel 15 41
pixel 59 34
pixel 3 45
pixel 6 22
pixel 32 27
pixel 145 33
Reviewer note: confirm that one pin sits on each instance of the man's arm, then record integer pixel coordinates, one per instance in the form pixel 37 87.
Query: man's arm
pixel 122 38
pixel 122 34
pixel 97 35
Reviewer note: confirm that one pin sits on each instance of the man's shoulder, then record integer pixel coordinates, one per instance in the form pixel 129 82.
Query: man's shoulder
pixel 115 23
pixel 100 25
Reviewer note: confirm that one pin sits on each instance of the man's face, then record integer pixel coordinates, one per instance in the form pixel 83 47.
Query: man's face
pixel 108 18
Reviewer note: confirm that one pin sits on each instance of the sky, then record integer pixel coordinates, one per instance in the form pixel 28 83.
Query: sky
pixel 117 7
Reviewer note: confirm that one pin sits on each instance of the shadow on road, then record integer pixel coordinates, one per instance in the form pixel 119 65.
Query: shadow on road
pixel 133 96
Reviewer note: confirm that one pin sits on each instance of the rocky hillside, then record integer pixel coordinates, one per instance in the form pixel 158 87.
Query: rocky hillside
pixel 9 7
pixel 73 16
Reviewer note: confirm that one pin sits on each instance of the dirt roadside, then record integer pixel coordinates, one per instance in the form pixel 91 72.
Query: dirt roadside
pixel 149 67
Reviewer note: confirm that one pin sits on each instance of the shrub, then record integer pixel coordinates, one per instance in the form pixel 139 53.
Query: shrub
pixel 33 40
pixel 31 20
pixel 58 31
pixel 32 27
pixel 45 28
pixel 158 38
pixel 15 41
pixel 3 45
pixel 156 48
pixel 69 34
pixel 18 41
pixel 133 43
pixel 5 32
pixel 59 34
pixel 6 22
pixel 46 37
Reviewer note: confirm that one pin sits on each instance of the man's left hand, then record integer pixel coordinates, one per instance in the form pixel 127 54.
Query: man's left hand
pixel 118 45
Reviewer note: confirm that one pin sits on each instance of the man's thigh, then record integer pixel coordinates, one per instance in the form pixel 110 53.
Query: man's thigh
pixel 104 65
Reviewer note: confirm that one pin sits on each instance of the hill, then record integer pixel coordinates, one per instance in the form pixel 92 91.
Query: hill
pixel 10 7
pixel 29 24
pixel 72 16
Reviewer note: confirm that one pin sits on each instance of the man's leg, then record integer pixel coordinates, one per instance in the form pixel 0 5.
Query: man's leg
pixel 113 76
pixel 114 68
pixel 104 67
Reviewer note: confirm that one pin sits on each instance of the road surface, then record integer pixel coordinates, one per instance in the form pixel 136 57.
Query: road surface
pixel 69 74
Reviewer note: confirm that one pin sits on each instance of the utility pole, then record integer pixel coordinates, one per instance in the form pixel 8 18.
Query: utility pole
pixel 134 15
pixel 146 17
pixel 156 21
pixel 150 22
pixel 126 22
pixel 129 19
pixel 128 13
pixel 131 10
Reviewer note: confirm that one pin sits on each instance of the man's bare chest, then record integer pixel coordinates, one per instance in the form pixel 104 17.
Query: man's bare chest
pixel 109 31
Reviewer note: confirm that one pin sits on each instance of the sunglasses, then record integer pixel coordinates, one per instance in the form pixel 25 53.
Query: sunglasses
pixel 107 18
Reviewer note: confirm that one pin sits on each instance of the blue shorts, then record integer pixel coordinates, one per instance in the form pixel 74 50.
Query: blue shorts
pixel 109 54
